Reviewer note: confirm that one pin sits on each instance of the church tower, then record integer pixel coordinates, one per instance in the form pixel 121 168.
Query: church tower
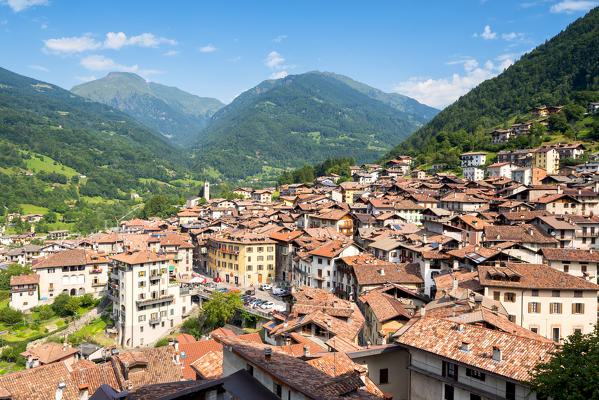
pixel 206 192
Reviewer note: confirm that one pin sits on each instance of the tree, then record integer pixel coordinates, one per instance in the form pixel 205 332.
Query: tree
pixel 571 373
pixel 65 305
pixel 221 307
pixel 12 270
pixel 87 300
pixel 51 217
pixel 10 316
pixel 193 326
pixel 574 112
pixel 161 343
pixel 45 312
pixel 158 206
pixel 558 122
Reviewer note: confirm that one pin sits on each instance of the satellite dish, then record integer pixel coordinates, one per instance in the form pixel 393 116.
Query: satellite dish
pixel 552 233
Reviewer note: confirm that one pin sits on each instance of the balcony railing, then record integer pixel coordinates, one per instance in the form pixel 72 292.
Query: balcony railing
pixel 157 300
pixel 98 284
pixel 95 271
pixel 155 321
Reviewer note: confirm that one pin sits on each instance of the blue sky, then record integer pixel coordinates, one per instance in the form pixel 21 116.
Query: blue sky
pixel 433 51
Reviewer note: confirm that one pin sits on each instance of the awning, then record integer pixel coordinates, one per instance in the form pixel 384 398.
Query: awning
pixel 171 268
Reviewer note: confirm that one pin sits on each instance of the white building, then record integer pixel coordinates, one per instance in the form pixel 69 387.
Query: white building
pixel 473 159
pixel 473 173
pixel 24 291
pixel 146 304
pixel 502 169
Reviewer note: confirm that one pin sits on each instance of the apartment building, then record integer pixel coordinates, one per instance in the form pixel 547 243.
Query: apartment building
pixel 146 303
pixel 473 159
pixel 549 302
pixel 546 158
pixel 576 262
pixel 74 272
pixel 242 258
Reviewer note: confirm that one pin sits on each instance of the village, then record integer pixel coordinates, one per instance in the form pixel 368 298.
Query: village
pixel 400 283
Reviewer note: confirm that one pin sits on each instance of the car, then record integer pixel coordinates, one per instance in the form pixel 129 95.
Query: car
pixel 265 287
pixel 279 291
pixel 222 289
pixel 280 308
pixel 266 305
pixel 250 292
pixel 217 279
pixel 258 303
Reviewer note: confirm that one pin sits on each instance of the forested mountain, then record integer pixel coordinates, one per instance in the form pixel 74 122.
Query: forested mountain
pixel 106 145
pixel 555 73
pixel 176 114
pixel 304 119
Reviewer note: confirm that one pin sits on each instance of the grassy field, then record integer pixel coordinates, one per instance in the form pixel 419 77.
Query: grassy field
pixel 31 209
pixel 47 164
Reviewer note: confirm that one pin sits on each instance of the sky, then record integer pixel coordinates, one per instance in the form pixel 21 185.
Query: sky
pixel 433 51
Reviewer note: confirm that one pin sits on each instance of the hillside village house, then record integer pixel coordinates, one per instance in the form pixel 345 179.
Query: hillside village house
pixel 146 304
pixel 75 272
pixel 263 195
pixel 473 159
pixel 501 169
pixel 549 302
pixel 529 175
pixel 546 158
pixel 24 291
pixel 242 258
pixel 473 173
pixel 316 268
pixel 576 262
pixel 338 219
pixel 246 192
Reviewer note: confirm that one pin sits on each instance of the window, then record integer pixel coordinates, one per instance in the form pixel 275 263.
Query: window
pixel 450 370
pixel 555 334
pixel 278 390
pixel 250 369
pixel 260 249
pixel 141 318
pixel 141 273
pixel 448 392
pixel 509 297
pixel 260 258
pixel 474 396
pixel 578 293
pixel 383 376
pixel 510 391
pixel 555 308
pixel 578 330
pixel 496 296
pixel 319 260
pixel 535 293
pixel 475 374
pixel 583 268
pixel 577 308
pixel 260 267
pixel 534 329
pixel 511 318
pixel 555 293
pixel 534 308
pixel 566 268
pixel 249 249
pixel 270 248
pixel 249 258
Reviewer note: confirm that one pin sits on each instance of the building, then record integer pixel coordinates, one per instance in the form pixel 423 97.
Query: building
pixel 24 291
pixel 593 108
pixel 589 167
pixel 473 159
pixel 242 258
pixel 246 192
pixel 453 360
pixel 75 272
pixel 501 169
pixel 547 158
pixel 473 173
pixel 501 136
pixel 338 219
pixel 529 175
pixel 549 302
pixel 49 353
pixel 146 303
pixel 576 262
pixel 263 195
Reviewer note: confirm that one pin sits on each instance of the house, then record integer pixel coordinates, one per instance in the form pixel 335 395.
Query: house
pixel 473 159
pixel 547 158
pixel 559 228
pixel 24 291
pixel 592 167
pixel 340 220
pixel 74 272
pixel 49 353
pixel 350 189
pixel 569 150
pixel 593 108
pixel 246 192
pixel 501 169
pixel 529 175
pixel 263 195
pixel 549 302
pixel 24 255
pixel 453 360
pixel 57 235
pixel 473 173
pixel 418 174
pixel 462 202
pixel 501 136
pixel 384 315
pixel 520 157
pixel 576 262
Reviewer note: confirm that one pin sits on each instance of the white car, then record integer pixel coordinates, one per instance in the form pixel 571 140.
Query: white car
pixel 266 286
pixel 278 291
pixel 267 305
pixel 280 308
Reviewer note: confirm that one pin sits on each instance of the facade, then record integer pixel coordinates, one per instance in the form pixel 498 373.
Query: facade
pixel 75 272
pixel 473 159
pixel 547 158
pixel 243 259
pixel 501 169
pixel 24 291
pixel 474 173
pixel 146 303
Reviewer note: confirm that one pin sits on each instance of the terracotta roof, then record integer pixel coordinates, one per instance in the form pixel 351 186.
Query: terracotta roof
pixel 50 352
pixel 524 233
pixel 330 249
pixel 190 352
pixel 210 365
pixel 570 255
pixel 67 258
pixel 466 280
pixel 384 306
pixel 139 257
pixel 441 337
pixel 370 274
pixel 535 276
pixel 24 279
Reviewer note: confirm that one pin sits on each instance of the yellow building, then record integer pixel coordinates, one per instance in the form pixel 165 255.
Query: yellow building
pixel 546 158
pixel 242 258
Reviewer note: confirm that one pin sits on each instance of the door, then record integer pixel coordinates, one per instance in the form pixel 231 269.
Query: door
pixel 555 334
pixel 259 278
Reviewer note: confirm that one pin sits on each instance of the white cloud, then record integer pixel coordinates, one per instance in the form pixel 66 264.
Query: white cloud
pixel 116 41
pixel 97 62
pixel 39 68
pixel 85 78
pixel 171 53
pixel 444 91
pixel 207 49
pixel 279 38
pixel 274 60
pixel 487 34
pixel 278 75
pixel 234 59
pixel 571 6
pixel 70 45
pixel 509 36
pixel 20 5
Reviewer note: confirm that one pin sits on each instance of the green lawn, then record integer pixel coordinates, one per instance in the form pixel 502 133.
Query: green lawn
pixel 31 209
pixel 47 164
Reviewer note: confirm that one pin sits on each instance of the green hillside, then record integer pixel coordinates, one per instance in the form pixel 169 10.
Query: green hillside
pixel 176 114
pixel 563 70
pixel 304 119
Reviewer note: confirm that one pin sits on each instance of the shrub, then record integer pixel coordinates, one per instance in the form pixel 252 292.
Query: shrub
pixel 161 343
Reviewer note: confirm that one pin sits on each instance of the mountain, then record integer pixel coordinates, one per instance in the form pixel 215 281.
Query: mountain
pixel 555 73
pixel 178 115
pixel 112 149
pixel 304 119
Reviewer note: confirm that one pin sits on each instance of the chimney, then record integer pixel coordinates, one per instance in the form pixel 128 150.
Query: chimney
pixel 329 322
pixel 497 356
pixel 176 345
pixel 58 395
pixel 83 392
pixel 306 350
pixel 424 239
pixel 455 283
pixel 423 312
pixel 460 328
pixel 382 272
pixel 466 346
pixel 267 353
pixel 559 189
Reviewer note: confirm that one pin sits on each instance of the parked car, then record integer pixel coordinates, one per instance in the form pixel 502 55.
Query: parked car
pixel 266 286
pixel 279 291
pixel 280 308
pixel 266 305
pixel 217 279
pixel 250 292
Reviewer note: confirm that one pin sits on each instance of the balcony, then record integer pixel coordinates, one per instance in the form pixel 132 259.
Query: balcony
pixel 155 277
pixel 95 271
pixel 155 321
pixel 99 284
pixel 114 276
pixel 587 234
pixel 157 300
